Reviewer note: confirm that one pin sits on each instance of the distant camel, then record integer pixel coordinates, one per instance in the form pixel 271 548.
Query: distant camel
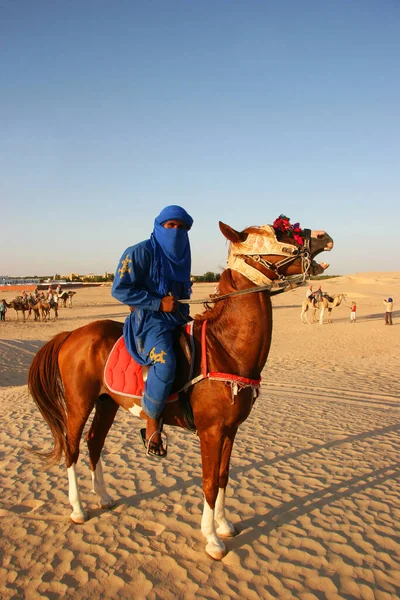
pixel 67 296
pixel 19 306
pixel 41 309
pixel 326 303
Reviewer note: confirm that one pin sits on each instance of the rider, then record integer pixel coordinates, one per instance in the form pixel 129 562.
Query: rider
pixel 310 295
pixel 151 277
pixel 318 294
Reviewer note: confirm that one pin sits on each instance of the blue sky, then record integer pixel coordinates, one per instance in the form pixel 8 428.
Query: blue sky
pixel 237 110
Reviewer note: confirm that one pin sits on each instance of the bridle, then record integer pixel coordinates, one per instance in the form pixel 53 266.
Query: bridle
pixel 278 283
pixel 291 253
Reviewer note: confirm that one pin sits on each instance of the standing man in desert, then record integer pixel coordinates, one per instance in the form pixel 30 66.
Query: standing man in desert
pixel 389 309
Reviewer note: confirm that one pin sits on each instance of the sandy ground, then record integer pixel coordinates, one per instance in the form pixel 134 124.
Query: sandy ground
pixel 314 489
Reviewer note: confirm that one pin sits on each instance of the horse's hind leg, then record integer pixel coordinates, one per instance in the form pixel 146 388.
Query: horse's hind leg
pixel 106 409
pixel 75 425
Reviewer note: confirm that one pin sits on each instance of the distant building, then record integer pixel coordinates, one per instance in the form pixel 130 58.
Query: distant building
pixel 6 280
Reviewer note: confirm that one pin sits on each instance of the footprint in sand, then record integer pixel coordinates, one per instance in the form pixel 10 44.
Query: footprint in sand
pixel 27 507
pixel 149 529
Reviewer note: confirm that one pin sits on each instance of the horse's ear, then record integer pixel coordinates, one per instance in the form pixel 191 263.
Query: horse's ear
pixel 231 234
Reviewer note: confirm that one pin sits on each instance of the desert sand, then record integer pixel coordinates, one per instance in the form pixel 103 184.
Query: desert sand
pixel 315 476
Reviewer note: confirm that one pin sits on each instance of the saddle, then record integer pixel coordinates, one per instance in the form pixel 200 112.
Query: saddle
pixel 124 376
pixel 329 298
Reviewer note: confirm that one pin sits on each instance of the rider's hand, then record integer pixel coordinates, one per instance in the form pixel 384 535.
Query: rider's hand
pixel 168 304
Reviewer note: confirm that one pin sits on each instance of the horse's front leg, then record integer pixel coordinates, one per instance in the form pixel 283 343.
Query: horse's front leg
pixel 106 409
pixel 225 527
pixel 211 451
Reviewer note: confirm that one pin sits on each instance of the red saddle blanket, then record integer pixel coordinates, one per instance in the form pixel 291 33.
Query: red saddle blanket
pixel 122 374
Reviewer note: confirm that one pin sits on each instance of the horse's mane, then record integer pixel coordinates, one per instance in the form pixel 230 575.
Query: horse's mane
pixel 213 313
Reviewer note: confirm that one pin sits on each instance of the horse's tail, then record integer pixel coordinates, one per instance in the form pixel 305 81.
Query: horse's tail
pixel 46 388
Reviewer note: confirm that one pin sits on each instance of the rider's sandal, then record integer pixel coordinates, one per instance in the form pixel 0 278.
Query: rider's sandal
pixel 153 448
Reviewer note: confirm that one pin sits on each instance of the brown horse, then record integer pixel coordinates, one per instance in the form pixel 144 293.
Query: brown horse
pixel 66 378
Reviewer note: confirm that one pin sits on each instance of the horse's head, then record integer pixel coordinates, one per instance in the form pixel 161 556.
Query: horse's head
pixel 263 255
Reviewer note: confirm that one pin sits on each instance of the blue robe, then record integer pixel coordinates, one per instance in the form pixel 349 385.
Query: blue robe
pixel 149 333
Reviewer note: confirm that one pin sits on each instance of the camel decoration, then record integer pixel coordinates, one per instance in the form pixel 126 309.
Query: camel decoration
pixel 326 303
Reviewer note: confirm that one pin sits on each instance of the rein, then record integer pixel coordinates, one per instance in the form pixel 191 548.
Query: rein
pixel 280 287
pixel 275 287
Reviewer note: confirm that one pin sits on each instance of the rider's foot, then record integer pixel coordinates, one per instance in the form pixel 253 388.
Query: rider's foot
pixel 152 439
pixel 156 447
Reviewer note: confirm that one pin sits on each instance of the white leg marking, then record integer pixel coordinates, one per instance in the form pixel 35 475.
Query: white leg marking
pixel 225 527
pixel 321 316
pixel 214 548
pixel 78 515
pixel 99 487
pixel 136 410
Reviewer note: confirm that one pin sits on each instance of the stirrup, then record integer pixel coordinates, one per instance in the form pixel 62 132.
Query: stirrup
pixel 146 443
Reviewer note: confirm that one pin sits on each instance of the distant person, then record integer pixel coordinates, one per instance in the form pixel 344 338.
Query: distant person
pixel 3 310
pixel 353 311
pixel 318 294
pixel 389 309
pixel 310 295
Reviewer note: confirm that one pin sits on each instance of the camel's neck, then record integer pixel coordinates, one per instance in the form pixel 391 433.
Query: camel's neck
pixel 239 328
pixel 337 300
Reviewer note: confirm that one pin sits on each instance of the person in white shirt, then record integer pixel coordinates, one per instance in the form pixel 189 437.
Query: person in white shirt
pixel 389 309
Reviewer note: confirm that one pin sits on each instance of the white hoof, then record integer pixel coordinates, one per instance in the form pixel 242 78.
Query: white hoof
pixel 227 530
pixel 78 517
pixel 216 551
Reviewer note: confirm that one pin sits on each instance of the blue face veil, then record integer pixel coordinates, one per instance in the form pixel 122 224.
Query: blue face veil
pixel 171 252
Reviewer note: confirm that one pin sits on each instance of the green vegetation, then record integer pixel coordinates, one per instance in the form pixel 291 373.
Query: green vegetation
pixel 208 277
pixel 324 277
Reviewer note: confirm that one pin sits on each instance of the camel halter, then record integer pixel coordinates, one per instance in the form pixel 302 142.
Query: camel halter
pixel 254 248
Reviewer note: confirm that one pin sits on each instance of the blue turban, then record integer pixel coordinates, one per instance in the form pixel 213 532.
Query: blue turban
pixel 390 299
pixel 171 252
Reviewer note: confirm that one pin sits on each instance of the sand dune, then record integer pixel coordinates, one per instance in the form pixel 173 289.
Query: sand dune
pixel 314 488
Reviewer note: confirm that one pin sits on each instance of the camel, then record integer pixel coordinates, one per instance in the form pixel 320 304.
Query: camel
pixel 41 310
pixel 19 306
pixel 67 296
pixel 322 305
